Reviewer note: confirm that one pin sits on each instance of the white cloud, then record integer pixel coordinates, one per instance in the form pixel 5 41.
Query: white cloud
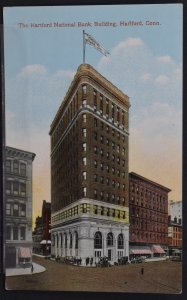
pixel 155 88
pixel 145 77
pixel 164 59
pixel 161 79
pixel 130 42
pixel 32 69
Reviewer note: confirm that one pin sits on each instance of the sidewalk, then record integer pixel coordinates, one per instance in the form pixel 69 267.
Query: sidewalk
pixel 26 271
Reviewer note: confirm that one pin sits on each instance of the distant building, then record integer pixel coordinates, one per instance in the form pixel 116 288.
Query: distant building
pixel 42 231
pixel 89 170
pixel 175 211
pixel 148 212
pixel 37 235
pixel 18 201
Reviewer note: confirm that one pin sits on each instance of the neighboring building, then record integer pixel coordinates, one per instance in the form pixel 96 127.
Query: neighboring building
pixel 89 170
pixel 41 233
pixel 37 235
pixel 175 211
pixel 148 211
pixel 18 201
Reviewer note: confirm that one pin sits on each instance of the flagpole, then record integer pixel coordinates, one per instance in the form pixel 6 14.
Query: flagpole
pixel 83 49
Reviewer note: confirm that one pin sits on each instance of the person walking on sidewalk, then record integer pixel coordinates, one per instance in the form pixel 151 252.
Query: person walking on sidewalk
pixel 32 268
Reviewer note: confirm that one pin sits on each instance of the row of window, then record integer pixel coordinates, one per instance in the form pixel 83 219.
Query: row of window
pixel 15 233
pixel 16 167
pixel 108 168
pixel 58 241
pixel 86 208
pixel 115 133
pixel 16 209
pixel 150 236
pixel 16 188
pixel 146 193
pixel 115 146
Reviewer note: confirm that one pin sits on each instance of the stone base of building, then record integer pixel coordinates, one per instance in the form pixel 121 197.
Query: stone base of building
pixel 79 232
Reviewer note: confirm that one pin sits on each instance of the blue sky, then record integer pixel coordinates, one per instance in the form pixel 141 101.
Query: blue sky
pixel 145 63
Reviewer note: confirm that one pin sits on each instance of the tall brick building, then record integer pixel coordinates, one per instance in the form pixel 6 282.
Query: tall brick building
pixel 89 170
pixel 18 200
pixel 148 210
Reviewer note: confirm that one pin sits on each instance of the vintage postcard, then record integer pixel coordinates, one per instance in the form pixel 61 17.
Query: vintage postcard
pixel 93 156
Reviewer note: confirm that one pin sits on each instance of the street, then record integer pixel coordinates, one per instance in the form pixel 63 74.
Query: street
pixel 158 277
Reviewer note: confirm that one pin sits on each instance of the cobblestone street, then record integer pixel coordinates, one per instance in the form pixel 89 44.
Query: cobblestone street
pixel 158 277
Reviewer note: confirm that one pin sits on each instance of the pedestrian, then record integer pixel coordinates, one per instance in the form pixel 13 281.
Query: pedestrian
pixel 24 264
pixel 32 268
pixel 142 270
pixel 91 261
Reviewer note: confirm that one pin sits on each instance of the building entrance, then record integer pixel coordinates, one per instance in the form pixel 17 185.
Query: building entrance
pixel 10 257
pixel 109 254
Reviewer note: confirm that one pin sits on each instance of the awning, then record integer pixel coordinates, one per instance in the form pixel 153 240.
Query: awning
pixel 158 249
pixel 140 251
pixel 44 242
pixel 24 252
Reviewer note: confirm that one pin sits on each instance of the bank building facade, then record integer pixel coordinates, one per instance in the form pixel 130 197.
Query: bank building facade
pixel 89 170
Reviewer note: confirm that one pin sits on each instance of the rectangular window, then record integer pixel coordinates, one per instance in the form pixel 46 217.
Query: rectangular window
pixel 8 232
pixel 15 210
pixel 95 177
pixel 23 169
pixel 22 233
pixel 8 187
pixel 15 233
pixel 23 210
pixel 8 209
pixel 95 135
pixel 84 190
pixel 107 108
pixel 84 175
pixel 84 161
pixel 8 166
pixel 84 132
pixel 84 146
pixel 101 104
pixel 95 99
pixel 84 90
pixel 15 188
pixel 23 189
pixel 84 118
pixel 123 117
pixel 16 167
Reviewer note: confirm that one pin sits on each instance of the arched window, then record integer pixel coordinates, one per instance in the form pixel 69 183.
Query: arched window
pixel 98 240
pixel 109 239
pixel 66 240
pixel 71 240
pixel 76 240
pixel 120 241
